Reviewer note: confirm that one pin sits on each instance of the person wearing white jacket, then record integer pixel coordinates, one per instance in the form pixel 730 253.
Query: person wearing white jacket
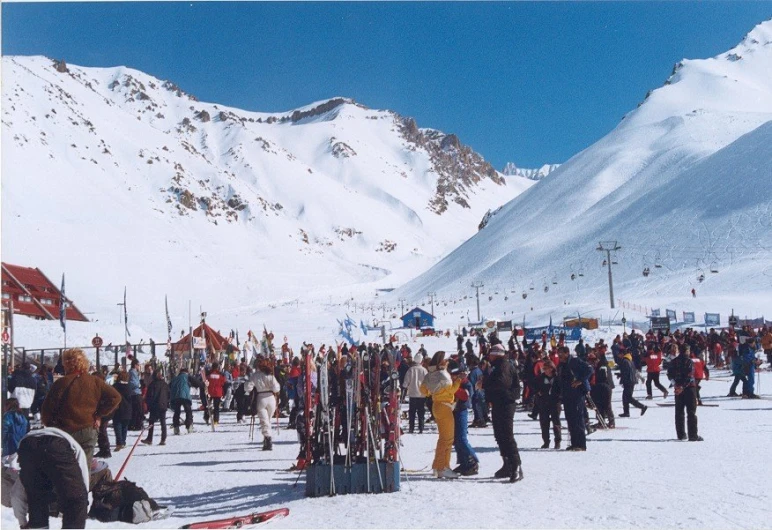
pixel 413 379
pixel 266 386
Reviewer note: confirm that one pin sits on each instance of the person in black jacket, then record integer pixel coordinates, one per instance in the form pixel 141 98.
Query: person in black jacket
pixel 22 386
pixel 681 373
pixel 628 378
pixel 548 403
pixel 574 375
pixel 122 415
pixel 157 399
pixel 602 385
pixel 502 390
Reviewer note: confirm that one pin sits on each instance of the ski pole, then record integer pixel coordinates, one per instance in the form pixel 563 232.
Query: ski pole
pixel 123 467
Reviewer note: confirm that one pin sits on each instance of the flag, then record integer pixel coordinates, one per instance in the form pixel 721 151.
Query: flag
pixel 168 320
pixel 125 314
pixel 63 309
pixel 550 324
pixel 237 338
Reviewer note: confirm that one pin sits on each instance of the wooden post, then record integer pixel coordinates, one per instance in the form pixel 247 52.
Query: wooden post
pixel 97 359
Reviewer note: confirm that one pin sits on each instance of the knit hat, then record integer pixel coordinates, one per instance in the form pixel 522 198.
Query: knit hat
pixel 498 349
pixel 418 358
pixel 453 367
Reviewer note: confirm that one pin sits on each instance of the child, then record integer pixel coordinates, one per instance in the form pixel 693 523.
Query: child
pixel 15 427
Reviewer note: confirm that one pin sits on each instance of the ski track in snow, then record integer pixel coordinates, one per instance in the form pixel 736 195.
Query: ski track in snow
pixel 638 476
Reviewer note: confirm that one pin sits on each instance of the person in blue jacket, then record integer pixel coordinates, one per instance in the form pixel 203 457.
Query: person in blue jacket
pixel 180 398
pixel 137 414
pixel 574 375
pixel 747 352
pixel 478 394
pixel 468 463
pixel 15 427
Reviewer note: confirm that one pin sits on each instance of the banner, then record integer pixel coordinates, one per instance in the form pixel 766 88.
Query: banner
pixel 199 343
pixel 571 333
pixel 689 317
pixel 655 312
pixel 63 309
pixel 671 314
pixel 712 319
pixel 660 323
pixel 504 325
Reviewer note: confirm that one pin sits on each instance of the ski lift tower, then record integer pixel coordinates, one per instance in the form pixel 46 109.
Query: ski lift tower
pixel 608 247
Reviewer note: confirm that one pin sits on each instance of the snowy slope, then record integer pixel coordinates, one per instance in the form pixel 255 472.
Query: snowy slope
pixel 118 178
pixel 636 476
pixel 684 182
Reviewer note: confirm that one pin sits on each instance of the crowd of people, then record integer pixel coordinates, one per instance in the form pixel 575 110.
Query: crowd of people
pixel 486 379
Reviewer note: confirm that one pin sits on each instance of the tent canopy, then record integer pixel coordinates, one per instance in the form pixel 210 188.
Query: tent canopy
pixel 214 341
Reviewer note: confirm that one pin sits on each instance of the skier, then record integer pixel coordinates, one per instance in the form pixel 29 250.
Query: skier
pixel 653 363
pixel 157 399
pixel 417 401
pixel 137 416
pixel 574 375
pixel 442 389
pixel 266 387
pixel 179 393
pixel 681 373
pixel 215 383
pixel 547 404
pixel 628 379
pixel 468 463
pixel 502 390
pixel 601 386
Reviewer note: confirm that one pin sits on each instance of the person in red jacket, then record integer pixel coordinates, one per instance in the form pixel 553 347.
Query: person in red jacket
pixel 700 372
pixel 215 383
pixel 653 365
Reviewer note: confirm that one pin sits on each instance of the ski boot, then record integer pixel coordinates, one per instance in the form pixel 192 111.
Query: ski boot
pixel 517 474
pixel 147 442
pixel 447 473
pixel 162 442
pixel 267 444
pixel 545 445
pixel 473 469
pixel 103 454
pixel 176 431
pixel 191 429
pixel 506 469
pixel 557 444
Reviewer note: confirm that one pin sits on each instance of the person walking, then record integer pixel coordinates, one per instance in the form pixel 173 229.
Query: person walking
pixel 179 394
pixel 215 386
pixel 502 390
pixel 135 384
pixel 438 385
pixel 653 367
pixel 77 401
pixel 266 387
pixel 574 375
pixel 416 400
pixel 681 372
pixel 601 386
pixel 157 399
pixel 628 378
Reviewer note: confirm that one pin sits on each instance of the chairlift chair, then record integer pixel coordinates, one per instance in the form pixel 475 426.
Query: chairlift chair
pixel 546 288
pixel 525 295
pixel 573 276
pixel 646 271
pixel 604 263
pixel 531 287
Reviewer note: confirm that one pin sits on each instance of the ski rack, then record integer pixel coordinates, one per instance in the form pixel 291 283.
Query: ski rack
pixel 353 443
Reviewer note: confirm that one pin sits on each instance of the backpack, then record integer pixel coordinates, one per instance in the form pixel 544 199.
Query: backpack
pixel 122 501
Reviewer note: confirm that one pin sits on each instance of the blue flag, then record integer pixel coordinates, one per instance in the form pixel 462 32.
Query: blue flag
pixel 63 308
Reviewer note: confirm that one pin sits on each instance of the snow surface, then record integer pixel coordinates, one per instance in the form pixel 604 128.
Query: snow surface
pixel 637 476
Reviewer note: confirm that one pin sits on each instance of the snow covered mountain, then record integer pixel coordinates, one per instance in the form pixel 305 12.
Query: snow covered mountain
pixel 683 185
pixel 116 177
pixel 511 170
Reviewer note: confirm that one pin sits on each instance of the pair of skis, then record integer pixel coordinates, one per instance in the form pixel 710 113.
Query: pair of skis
pixel 251 519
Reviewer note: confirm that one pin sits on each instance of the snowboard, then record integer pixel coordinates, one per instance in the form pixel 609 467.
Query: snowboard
pixel 251 519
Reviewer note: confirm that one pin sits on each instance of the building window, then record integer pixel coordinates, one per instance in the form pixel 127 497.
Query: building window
pixel 47 301
pixel 25 298
pixel 7 296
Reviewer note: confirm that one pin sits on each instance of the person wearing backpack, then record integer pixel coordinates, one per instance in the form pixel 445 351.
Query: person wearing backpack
pixel 157 399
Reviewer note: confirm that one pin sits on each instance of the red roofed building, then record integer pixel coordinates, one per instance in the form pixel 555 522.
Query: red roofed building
pixel 34 295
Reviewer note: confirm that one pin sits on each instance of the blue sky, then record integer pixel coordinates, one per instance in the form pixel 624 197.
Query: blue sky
pixel 531 83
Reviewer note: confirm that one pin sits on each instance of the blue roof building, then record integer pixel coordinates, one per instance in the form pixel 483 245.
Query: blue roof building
pixel 417 318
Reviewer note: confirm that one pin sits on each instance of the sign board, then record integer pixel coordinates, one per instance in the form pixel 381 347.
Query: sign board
pixel 6 337
pixel 689 317
pixel 97 342
pixel 712 319
pixel 199 343
pixel 733 321
pixel 504 325
pixel 571 333
pixel 671 314
pixel 655 312
pixel 660 323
